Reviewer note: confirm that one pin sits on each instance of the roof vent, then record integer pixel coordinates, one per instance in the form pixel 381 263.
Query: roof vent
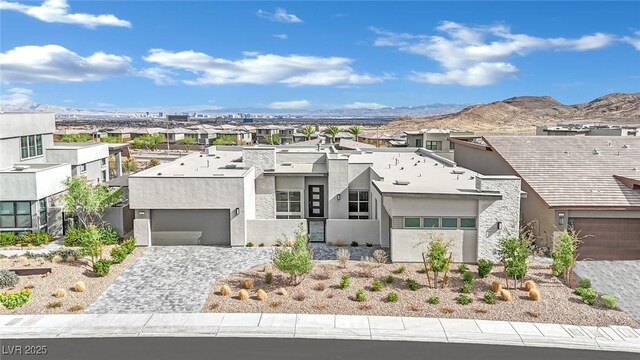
pixel 594 190
pixel 402 182
pixel 457 172
pixel 21 167
pixel 626 146
pixel 596 152
pixel 230 166
pixel 287 164
pixel 159 174
pixel 181 164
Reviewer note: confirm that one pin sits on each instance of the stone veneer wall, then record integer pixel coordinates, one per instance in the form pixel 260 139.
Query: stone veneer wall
pixel 262 158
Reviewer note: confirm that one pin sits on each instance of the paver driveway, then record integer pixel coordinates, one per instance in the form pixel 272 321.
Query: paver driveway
pixel 618 278
pixel 168 279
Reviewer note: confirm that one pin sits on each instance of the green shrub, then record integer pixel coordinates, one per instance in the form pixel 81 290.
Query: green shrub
pixel 467 277
pixel 297 260
pixel 423 270
pixel 588 295
pixel 36 238
pixel 8 239
pixel 376 285
pixel 268 278
pixel 73 236
pixel 361 296
pixel 484 267
pixel 345 282
pixel 392 297
pixel 354 244
pixel 249 244
pixel 490 297
pixel 64 254
pixel 463 299
pixel 400 269
pixel 433 300
pixel 467 288
pixel 389 279
pixel 108 235
pixel 514 254
pixel 463 268
pixel 14 299
pixel 261 245
pixel 129 245
pixel 8 279
pixel 609 301
pixel 413 285
pixel 564 253
pixel 102 267
pixel 118 254
pixel 585 283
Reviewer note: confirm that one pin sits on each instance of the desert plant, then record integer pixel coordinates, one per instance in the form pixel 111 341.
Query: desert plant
pixel 389 279
pixel 319 287
pixel 505 295
pixel 400 269
pixel 392 297
pixel 299 296
pixel 585 283
pixel 14 299
pixel 283 292
pixel 484 268
pixel 447 310
pixel 54 305
pixel 118 254
pixel 76 308
pixel 438 260
pixel 376 285
pixel 247 283
pixel 609 301
pixel 496 287
pixel 361 296
pixel 261 245
pixel 59 293
pixel 320 306
pixel 243 295
pixel 79 286
pixel 8 239
pixel 261 295
pixel 354 244
pixel 343 256
pixel 102 267
pixel 463 268
pixel 225 290
pixel 108 235
pixel 56 259
pixel 35 238
pixel 73 236
pixel 380 256
pixel 333 132
pixel 297 260
pixel 413 285
pixel 463 299
pixel 268 278
pixel 534 294
pixel 249 244
pixel 467 288
pixel 514 254
pixel 490 297
pixel 532 313
pixel 275 304
pixel 129 245
pixel 529 284
pixel 7 279
pixel 467 277
pixel 345 282
pixel 564 254
pixel 589 296
pixel 433 300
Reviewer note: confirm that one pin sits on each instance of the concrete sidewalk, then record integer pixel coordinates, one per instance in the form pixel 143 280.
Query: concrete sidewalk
pixel 614 338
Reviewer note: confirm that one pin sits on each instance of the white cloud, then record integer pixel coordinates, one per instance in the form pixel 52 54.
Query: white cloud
pixel 290 105
pixel 16 96
pixel 281 36
pixel 364 105
pixel 56 63
pixel 57 11
pixel 478 56
pixel 280 15
pixel 160 76
pixel 633 41
pixel 293 70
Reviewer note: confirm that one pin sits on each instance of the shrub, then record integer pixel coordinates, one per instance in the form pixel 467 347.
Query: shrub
pixel 102 267
pixel 225 290
pixel 376 285
pixel 467 277
pixel 8 279
pixel 447 310
pixel 59 293
pixel 268 278
pixel 118 254
pixel 320 306
pixel 463 299
pixel 247 283
pixel 14 299
pixel 299 296
pixel 68 255
pixel 361 296
pixel 433 300
pixel 108 235
pixel 484 267
pixel 389 279
pixel 129 245
pixel 534 294
pixel 35 238
pixel 514 254
pixel 610 301
pixel 564 253
pixel 261 295
pixel 490 297
pixel 8 239
pixel 243 295
pixel 589 296
pixel 463 268
pixel 54 305
pixel 580 290
pixel 343 256
pixel 585 283
pixel 369 244
pixel 73 236
pixel 413 285
pixel 380 256
pixel 297 261
pixel 392 297
pixel 354 244
pixel 423 270
pixel 90 244
pixel 261 245
pixel 438 261
pixel 345 282
pixel 467 288
pixel 79 286
pixel 76 308
pixel 496 287
pixel 276 303
pixel 249 244
pixel 319 287
pixel 506 295
pixel 400 269
pixel 56 259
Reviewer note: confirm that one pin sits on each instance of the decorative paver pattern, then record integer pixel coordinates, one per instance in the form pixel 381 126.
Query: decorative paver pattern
pixel 170 279
pixel 324 252
pixel 618 278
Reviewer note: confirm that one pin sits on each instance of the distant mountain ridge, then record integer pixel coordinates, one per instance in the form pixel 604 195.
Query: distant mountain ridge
pixel 521 114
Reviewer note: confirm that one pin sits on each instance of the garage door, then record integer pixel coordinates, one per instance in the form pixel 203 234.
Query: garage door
pixel 214 224
pixel 609 239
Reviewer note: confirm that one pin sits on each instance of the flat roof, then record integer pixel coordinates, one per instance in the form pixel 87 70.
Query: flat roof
pixel 75 146
pixel 216 164
pixel 30 168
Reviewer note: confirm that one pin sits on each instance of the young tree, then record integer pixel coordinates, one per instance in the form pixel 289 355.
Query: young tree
pixel 188 141
pixel 333 132
pixel 90 244
pixel 564 256
pixel 225 140
pixel 129 164
pixel 437 258
pixel 88 201
pixel 273 139
pixel 308 131
pixel 355 131
pixel 514 254
pixel 295 260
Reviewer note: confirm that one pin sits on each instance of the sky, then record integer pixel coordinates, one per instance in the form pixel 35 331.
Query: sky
pixel 289 56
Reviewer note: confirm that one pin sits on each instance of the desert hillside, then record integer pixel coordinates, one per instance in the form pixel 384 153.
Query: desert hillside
pixel 521 115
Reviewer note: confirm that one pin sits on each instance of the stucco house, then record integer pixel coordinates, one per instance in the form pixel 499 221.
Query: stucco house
pixel 397 199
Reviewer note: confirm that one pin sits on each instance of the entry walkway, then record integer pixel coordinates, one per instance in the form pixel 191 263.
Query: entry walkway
pixel 174 279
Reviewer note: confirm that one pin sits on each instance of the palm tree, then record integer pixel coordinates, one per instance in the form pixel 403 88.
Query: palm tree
pixel 355 131
pixel 332 131
pixel 307 131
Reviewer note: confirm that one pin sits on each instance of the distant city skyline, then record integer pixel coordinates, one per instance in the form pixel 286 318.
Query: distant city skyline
pixel 300 56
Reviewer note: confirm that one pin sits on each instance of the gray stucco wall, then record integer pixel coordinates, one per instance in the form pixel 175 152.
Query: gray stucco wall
pixel 407 245
pixel 269 231
pixel 265 198
pixel 338 184
pixel 362 231
pixel 214 224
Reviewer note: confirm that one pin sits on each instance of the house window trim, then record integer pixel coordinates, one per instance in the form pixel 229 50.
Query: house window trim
pixel 38 147
pixel 433 145
pixel 42 212
pixel 15 215
pixel 290 214
pixel 359 215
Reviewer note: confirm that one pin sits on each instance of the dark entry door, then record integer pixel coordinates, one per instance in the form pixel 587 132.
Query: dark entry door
pixel 316 200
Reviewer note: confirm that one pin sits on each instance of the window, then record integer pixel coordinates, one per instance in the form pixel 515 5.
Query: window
pixel 83 167
pixel 42 205
pixel 418 142
pixel 358 204
pixel 433 145
pixel 30 146
pixel 411 222
pixel 15 214
pixel 103 161
pixel 431 222
pixel 452 145
pixel 288 204
pixel 104 175
pixel 468 223
pixel 449 222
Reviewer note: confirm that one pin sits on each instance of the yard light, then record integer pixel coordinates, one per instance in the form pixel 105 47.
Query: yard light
pixel 237 211
pixel 338 196
pixel 499 225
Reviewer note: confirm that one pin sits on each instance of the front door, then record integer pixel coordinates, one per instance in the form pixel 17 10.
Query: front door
pixel 316 201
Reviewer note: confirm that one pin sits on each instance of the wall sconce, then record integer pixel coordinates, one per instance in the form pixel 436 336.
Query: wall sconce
pixel 141 213
pixel 338 196
pixel 499 225
pixel 561 218
pixel 237 211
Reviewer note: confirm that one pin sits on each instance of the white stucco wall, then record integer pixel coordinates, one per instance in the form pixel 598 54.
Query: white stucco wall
pixel 362 231
pixel 407 245
pixel 34 185
pixel 269 231
pixel 338 184
pixel 265 197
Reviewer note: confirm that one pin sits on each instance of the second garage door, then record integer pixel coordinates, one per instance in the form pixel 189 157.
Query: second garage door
pixel 214 224
pixel 608 239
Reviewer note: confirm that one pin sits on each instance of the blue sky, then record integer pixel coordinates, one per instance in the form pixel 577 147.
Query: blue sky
pixel 309 55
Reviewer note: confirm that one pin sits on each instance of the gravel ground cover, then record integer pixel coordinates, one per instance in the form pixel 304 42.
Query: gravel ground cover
pixel 63 276
pixel 319 293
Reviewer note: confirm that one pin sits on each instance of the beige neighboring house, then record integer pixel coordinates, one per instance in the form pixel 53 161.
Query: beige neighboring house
pixel 588 183
pixel 588 130
pixel 436 140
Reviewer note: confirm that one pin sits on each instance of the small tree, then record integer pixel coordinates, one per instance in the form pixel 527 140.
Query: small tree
pixel 564 255
pixel 188 141
pixel 295 260
pixel 437 259
pixel 88 201
pixel 355 131
pixel 273 139
pixel 333 132
pixel 514 254
pixel 90 244
pixel 129 165
pixel 308 131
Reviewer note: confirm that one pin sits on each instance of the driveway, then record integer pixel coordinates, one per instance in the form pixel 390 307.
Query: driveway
pixel 618 278
pixel 169 279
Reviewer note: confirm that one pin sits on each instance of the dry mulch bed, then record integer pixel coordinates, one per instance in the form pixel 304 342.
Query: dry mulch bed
pixel 319 293
pixel 63 276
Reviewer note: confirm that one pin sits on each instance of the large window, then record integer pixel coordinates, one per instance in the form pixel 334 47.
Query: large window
pixel 433 145
pixel 418 142
pixel 440 222
pixel 411 222
pixel 431 222
pixel 358 204
pixel 42 204
pixel 449 222
pixel 15 214
pixel 288 204
pixel 468 223
pixel 30 146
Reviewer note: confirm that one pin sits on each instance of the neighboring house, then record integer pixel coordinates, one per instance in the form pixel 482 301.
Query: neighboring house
pixel 175 135
pixel 588 183
pixel 398 199
pixel 588 130
pixel 33 169
pixel 436 140
pixel 285 133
